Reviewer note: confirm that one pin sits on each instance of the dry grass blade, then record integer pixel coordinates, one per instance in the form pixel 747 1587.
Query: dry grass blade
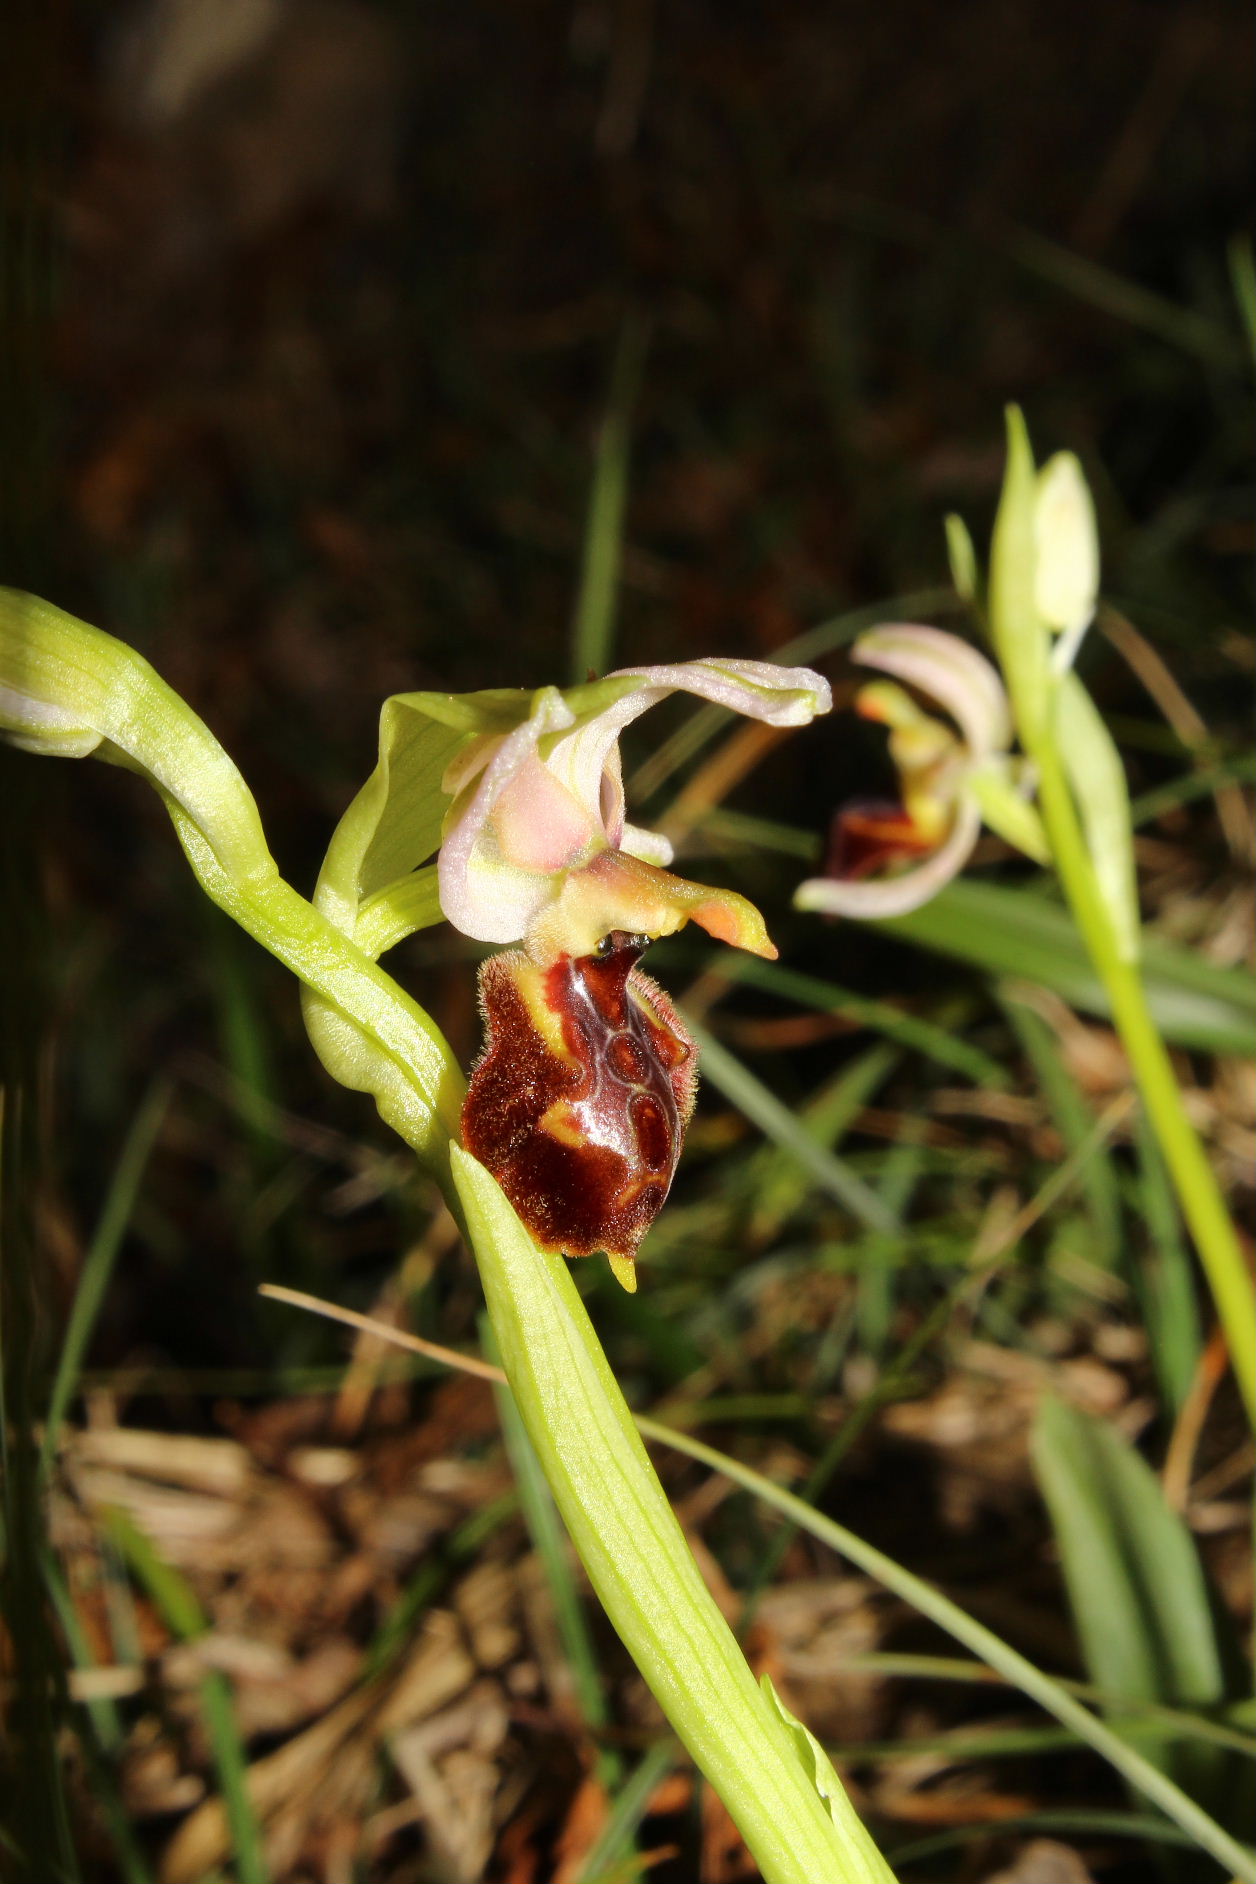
pixel 1233 810
pixel 414 1344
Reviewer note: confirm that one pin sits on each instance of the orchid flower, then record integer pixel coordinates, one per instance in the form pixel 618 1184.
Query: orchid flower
pixel 536 847
pixel 579 1101
pixel 951 778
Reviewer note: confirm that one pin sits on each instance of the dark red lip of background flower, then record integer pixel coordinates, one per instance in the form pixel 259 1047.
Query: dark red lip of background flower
pixel 871 835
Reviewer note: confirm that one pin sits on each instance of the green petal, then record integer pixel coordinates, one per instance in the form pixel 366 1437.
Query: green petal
pixel 371 884
pixel 397 911
pixel 393 825
pixel 1007 811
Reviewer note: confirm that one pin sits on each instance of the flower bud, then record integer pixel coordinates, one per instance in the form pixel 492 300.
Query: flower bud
pixel 1066 542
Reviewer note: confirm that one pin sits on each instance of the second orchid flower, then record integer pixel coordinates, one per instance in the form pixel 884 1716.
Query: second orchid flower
pixel 952 778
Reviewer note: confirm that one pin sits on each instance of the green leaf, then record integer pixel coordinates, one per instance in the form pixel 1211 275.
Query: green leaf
pixel 1097 776
pixel 1018 932
pixel 1134 1580
pixel 1133 1574
pixel 550 1544
pixel 636 1556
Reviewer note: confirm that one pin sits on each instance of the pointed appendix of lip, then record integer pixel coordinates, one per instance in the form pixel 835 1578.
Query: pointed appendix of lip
pixel 579 1102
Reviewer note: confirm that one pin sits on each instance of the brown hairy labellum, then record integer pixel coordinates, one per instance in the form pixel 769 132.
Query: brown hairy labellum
pixel 579 1102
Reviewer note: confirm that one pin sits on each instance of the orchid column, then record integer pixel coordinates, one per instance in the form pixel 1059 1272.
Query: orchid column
pixel 521 795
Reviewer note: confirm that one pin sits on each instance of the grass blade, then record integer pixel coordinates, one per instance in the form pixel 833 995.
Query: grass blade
pixel 1124 299
pixel 1188 786
pixel 435 1572
pixel 613 1849
pixel 1074 1121
pixel 1019 933
pixel 899 1180
pixel 1134 1580
pixel 771 1177
pixel 182 1613
pixel 1164 1280
pixel 99 1260
pixel 1176 1722
pixel 1200 1826
pixel 775 1120
pixel 1093 1822
pixel 1243 280
pixel 925 1037
pixel 594 625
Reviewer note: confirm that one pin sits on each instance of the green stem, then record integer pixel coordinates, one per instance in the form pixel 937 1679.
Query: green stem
pixel 639 1563
pixel 1023 643
pixel 1198 1192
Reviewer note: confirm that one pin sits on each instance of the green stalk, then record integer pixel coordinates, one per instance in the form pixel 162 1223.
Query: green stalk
pixel 1200 1196
pixel 1022 641
pixel 638 1562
